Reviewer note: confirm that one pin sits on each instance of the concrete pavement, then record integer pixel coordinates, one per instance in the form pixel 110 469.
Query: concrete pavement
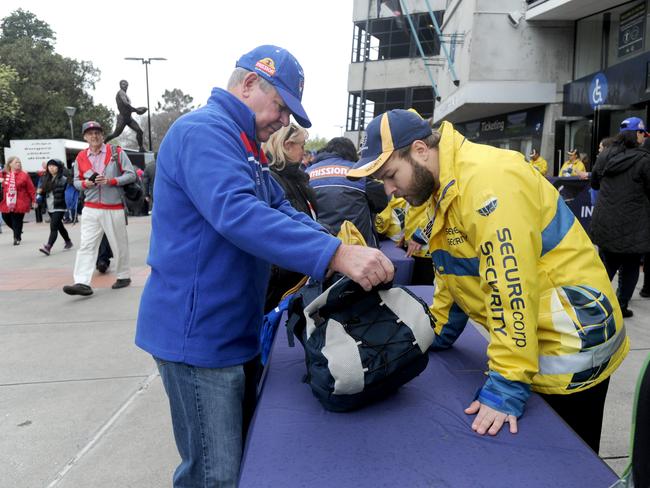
pixel 82 406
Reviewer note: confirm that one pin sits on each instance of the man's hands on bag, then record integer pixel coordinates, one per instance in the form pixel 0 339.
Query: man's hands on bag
pixel 365 265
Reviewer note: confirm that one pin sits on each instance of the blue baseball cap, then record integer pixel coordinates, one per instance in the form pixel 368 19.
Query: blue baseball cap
pixel 282 70
pixel 634 124
pixel 392 130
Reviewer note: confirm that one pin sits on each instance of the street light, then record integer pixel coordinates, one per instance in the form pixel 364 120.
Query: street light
pixel 71 111
pixel 147 62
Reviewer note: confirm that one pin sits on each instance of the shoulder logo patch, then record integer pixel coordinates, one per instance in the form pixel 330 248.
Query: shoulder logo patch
pixel 489 206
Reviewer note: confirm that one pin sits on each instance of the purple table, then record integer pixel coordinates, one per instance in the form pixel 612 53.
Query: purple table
pixel 419 437
pixel 403 265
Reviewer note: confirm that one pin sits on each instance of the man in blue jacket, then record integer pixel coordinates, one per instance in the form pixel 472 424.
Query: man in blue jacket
pixel 219 221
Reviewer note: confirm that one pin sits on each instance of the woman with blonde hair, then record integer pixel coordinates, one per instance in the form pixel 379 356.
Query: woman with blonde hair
pixel 285 150
pixel 18 196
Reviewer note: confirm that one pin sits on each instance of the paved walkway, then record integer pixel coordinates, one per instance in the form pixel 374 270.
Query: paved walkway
pixel 81 406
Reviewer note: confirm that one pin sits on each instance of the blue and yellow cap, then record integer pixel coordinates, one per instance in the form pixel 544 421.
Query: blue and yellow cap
pixel 392 130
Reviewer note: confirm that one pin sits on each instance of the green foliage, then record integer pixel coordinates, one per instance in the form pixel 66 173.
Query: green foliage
pixel 9 106
pixel 315 143
pixel 22 24
pixel 174 104
pixel 45 82
pixel 175 101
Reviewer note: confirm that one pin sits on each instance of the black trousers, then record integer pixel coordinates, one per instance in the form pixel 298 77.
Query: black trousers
pixel 14 221
pixel 105 252
pixel 56 227
pixel 646 272
pixel 583 411
pixel 628 267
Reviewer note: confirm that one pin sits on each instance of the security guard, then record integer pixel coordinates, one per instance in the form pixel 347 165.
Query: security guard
pixel 538 162
pixel 510 255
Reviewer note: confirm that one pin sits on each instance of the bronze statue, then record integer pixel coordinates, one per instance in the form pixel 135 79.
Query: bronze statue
pixel 124 118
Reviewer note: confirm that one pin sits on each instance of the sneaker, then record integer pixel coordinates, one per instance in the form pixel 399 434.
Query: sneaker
pixel 78 289
pixel 121 283
pixel 627 313
pixel 645 293
pixel 16 242
pixel 68 245
pixel 102 266
pixel 46 249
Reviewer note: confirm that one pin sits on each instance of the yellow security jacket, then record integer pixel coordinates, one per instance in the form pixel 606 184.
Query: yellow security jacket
pixel 572 168
pixel 510 255
pixel 400 220
pixel 390 221
pixel 540 165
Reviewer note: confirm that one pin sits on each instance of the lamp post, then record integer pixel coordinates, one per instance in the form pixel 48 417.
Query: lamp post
pixel 147 62
pixel 71 111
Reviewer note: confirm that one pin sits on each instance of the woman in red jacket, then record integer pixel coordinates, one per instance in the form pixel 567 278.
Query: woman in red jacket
pixel 18 195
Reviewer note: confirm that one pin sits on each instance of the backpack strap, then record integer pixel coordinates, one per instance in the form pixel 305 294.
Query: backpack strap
pixel 115 156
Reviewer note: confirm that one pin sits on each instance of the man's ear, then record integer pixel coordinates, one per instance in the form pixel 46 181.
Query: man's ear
pixel 248 84
pixel 419 150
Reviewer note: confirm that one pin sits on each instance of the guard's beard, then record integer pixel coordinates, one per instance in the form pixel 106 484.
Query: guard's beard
pixel 422 185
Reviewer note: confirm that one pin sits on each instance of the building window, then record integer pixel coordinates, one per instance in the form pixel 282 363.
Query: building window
pixel 379 101
pixel 391 38
pixel 610 37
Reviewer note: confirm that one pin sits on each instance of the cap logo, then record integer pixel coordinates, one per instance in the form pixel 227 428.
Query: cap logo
pixel 267 65
pixel 301 86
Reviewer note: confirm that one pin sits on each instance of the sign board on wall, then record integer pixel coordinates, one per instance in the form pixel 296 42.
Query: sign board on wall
pixel 34 152
pixel 631 30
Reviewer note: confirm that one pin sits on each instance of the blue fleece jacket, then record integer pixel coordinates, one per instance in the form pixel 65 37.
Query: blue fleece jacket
pixel 220 219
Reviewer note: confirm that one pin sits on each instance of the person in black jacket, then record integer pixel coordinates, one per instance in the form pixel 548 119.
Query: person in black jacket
pixel 620 222
pixel 341 199
pixel 52 191
pixel 285 149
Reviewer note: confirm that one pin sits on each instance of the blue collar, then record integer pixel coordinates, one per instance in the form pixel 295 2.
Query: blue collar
pixel 243 116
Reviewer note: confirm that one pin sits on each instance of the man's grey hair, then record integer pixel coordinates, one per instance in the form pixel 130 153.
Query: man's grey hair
pixel 238 76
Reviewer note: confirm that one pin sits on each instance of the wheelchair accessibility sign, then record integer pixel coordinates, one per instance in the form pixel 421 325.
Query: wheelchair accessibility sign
pixel 598 90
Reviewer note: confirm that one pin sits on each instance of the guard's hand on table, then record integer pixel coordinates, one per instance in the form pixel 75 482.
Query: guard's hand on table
pixel 412 248
pixel 364 265
pixel 489 420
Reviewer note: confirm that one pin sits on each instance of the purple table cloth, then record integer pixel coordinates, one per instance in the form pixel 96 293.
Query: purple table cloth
pixel 403 265
pixel 418 437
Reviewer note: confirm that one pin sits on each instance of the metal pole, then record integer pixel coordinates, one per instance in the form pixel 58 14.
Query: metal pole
pixel 146 69
pixel 417 41
pixel 450 63
pixel 71 128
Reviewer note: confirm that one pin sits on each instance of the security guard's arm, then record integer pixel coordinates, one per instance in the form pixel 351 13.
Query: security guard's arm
pixel 502 217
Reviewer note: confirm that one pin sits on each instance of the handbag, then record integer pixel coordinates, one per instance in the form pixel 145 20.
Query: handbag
pixel 359 346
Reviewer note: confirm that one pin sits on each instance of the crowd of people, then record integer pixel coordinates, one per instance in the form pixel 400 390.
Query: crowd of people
pixel 243 213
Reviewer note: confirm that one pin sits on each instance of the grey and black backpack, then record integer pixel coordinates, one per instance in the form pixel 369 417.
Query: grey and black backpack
pixel 359 346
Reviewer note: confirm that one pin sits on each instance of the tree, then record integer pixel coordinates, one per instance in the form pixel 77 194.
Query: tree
pixel 175 101
pixel 9 106
pixel 315 143
pixel 174 104
pixel 46 81
pixel 23 24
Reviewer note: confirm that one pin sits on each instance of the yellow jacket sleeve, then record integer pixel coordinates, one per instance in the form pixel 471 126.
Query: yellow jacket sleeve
pixel 448 318
pixel 503 221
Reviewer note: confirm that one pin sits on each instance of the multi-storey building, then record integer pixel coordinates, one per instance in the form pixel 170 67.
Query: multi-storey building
pixel 610 68
pixel 386 69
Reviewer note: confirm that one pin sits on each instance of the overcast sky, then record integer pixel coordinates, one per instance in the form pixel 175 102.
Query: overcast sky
pixel 202 40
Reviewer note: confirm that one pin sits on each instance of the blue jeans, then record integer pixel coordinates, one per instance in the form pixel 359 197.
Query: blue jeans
pixel 207 412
